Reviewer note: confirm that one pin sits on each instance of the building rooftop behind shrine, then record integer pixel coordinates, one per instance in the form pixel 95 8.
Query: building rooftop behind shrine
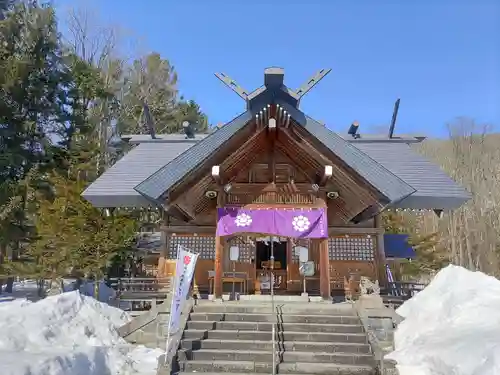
pixel 392 165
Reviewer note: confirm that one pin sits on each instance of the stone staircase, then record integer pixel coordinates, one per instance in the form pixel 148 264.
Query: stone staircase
pixel 313 338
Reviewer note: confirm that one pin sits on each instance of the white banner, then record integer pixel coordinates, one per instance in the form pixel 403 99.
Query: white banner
pixel 184 272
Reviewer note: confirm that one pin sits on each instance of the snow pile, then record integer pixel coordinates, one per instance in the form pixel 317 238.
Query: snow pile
pixel 67 334
pixel 452 327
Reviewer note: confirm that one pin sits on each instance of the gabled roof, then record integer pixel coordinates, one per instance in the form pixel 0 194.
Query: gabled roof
pixel 172 172
pixel 115 187
pixel 381 178
pixel 275 92
pixel 148 172
pixel 434 188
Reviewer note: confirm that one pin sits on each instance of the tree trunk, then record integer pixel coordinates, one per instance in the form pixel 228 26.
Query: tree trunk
pixel 9 288
pixel 468 245
pixel 453 234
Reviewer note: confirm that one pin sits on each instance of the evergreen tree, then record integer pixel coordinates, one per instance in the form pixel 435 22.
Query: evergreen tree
pixel 31 97
pixel 190 111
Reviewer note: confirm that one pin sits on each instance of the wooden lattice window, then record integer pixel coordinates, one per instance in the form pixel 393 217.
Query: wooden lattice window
pixel 352 248
pixel 203 245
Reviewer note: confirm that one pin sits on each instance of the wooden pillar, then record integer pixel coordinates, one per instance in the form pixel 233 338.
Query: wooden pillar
pixel 289 259
pixel 380 251
pixel 219 248
pixel 160 274
pixel 324 269
pixel 218 266
pixel 257 290
pixel 162 260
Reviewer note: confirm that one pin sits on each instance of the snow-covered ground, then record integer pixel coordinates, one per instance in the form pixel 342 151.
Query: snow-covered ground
pixel 452 327
pixel 68 334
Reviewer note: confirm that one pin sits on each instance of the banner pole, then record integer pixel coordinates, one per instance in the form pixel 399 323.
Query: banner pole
pixel 176 278
pixel 272 306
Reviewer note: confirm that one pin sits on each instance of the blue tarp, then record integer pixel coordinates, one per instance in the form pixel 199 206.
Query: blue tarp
pixel 396 246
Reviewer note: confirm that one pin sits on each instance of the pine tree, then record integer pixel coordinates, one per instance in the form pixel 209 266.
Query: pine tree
pixel 31 98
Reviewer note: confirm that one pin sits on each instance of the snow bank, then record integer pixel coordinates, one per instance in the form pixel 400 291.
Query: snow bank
pixel 452 327
pixel 68 334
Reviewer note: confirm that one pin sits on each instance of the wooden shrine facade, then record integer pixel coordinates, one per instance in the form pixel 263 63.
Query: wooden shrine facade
pixel 352 251
pixel 274 157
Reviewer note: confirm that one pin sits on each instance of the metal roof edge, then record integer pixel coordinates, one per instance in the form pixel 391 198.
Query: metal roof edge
pixel 387 183
pixel 167 176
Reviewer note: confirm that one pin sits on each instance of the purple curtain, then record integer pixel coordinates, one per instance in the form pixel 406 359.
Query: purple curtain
pixel 296 223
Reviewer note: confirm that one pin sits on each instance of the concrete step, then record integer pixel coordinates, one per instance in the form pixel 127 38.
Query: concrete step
pixel 305 368
pixel 266 356
pixel 219 367
pixel 250 367
pixel 320 337
pixel 225 355
pixel 284 308
pixel 288 346
pixel 285 318
pixel 334 358
pixel 267 326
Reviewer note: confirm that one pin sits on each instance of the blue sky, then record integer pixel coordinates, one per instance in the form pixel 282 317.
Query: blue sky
pixel 441 57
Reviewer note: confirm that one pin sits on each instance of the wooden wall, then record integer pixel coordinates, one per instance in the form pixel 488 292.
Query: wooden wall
pixel 354 254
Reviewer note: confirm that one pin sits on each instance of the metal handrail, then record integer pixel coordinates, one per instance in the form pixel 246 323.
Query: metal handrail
pixel 275 317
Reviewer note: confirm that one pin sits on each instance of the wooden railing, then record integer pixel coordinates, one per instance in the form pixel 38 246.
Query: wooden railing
pixel 403 290
pixel 140 293
pixel 271 198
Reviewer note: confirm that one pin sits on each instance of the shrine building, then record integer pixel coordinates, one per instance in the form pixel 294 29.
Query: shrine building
pixel 274 175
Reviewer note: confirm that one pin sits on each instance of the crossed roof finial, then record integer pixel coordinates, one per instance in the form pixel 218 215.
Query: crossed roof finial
pixel 273 87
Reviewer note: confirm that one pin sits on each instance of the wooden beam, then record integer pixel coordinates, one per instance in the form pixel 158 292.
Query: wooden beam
pixel 298 164
pixel 191 229
pixel 347 176
pixel 202 171
pixel 185 211
pixel 335 231
pixel 247 188
pixel 243 155
pixel 368 213
pixel 355 191
pixel 332 231
pixel 228 167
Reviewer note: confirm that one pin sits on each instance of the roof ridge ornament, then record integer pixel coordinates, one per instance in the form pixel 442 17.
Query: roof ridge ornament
pixel 273 90
pixel 233 85
pixel 311 82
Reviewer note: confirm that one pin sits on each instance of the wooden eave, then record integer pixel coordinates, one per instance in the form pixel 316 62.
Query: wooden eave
pixel 355 194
